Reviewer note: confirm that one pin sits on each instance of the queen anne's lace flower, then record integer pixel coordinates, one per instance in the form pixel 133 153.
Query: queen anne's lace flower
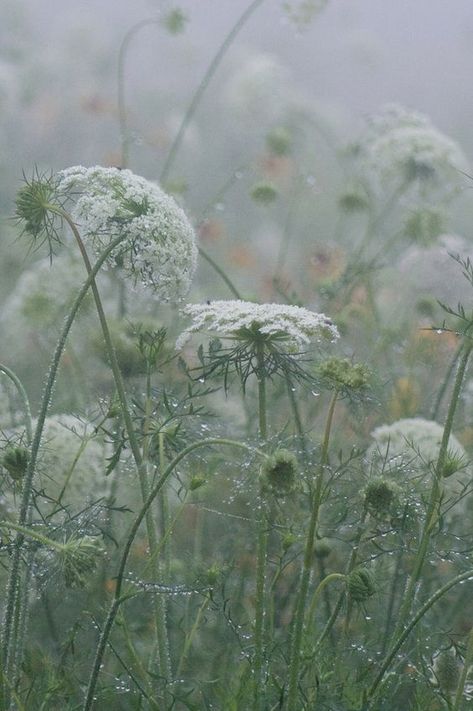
pixel 292 325
pixel 404 149
pixel 158 250
pixel 413 439
pixel 71 462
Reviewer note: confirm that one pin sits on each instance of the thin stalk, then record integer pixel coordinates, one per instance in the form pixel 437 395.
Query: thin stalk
pixel 141 464
pixel 220 272
pixel 122 113
pixel 191 635
pixel 8 642
pixel 212 68
pixel 262 545
pixel 315 597
pixel 408 629
pixel 118 598
pixel 464 673
pixel 296 641
pixel 432 513
pixel 24 398
pixel 443 388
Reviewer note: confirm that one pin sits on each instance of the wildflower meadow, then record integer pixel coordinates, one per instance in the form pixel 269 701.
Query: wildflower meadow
pixel 236 396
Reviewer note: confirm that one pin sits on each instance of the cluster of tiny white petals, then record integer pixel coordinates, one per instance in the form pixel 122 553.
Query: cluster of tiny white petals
pixel 159 249
pixel 259 88
pixel 413 439
pixel 402 148
pixel 69 443
pixel 43 293
pixel 295 325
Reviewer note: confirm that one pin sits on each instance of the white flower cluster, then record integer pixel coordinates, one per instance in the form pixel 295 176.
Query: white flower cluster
pixel 260 88
pixel 43 293
pixel 158 250
pixel 293 325
pixel 403 149
pixel 413 439
pixel 72 458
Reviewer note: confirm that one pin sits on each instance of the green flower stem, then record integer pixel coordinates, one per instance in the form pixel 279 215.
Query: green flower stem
pixel 296 641
pixel 315 597
pixel 24 398
pixel 370 695
pixel 220 272
pixel 34 535
pixel 432 511
pixel 212 68
pixel 164 510
pixel 191 635
pixel 118 599
pixel 463 676
pixel 443 388
pixel 262 545
pixel 141 464
pixel 8 641
pixel 122 113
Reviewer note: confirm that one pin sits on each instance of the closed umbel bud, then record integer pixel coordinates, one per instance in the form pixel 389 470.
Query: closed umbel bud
pixel 279 472
pixel 382 497
pixel 15 461
pixel 361 584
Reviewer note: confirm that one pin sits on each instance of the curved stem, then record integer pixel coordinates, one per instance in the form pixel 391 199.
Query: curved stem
pixel 122 114
pixel 24 397
pixel 141 464
pixel 296 641
pixel 315 597
pixel 118 598
pixel 14 577
pixel 220 272
pixel 212 68
pixel 432 511
pixel 408 629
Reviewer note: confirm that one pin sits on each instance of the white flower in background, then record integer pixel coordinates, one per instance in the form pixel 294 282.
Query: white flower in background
pixel 413 439
pixel 71 461
pixel 403 150
pixel 292 326
pixel 159 249
pixel 260 88
pixel 411 446
pixel 43 293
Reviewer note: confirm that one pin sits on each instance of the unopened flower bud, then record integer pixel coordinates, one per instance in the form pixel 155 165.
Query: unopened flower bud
pixel 361 584
pixel 279 472
pixel 15 461
pixel 447 669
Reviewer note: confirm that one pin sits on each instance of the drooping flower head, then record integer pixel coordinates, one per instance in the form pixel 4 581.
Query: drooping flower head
pixel 158 250
pixel 292 326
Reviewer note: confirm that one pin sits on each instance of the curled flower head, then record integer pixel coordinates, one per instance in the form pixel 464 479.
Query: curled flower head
pixel 361 584
pixel 35 209
pixel 446 669
pixel 292 326
pixel 158 249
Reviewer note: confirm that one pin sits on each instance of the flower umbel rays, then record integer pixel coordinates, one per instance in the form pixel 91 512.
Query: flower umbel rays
pixel 279 330
pixel 159 249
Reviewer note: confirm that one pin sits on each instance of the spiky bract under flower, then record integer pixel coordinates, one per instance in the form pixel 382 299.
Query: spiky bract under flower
pixel 158 250
pixel 35 206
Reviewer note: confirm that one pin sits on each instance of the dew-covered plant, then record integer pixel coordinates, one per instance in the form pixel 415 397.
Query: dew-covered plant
pixel 249 493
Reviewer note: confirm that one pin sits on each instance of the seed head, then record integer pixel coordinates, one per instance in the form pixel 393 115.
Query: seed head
pixel 264 193
pixel 278 472
pixel 382 497
pixel 447 668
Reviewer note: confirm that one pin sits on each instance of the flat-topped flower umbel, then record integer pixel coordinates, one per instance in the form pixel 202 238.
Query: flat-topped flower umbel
pixel 292 326
pixel 159 249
